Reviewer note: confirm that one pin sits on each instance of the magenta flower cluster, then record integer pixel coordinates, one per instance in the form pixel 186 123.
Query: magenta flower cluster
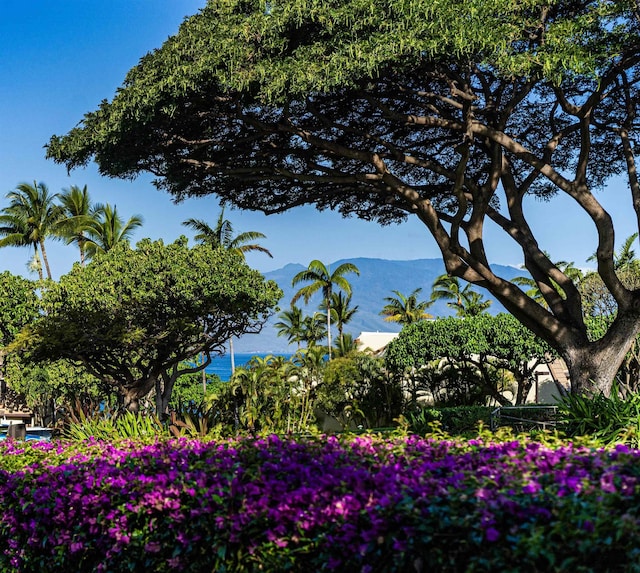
pixel 319 504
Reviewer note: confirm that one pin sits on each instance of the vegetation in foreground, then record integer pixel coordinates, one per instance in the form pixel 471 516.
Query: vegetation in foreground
pixel 365 503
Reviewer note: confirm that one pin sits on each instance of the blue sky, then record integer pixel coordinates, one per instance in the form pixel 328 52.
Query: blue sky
pixel 59 59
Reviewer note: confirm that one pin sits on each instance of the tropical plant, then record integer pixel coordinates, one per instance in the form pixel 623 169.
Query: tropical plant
pixel 341 311
pixel 222 235
pixel 549 286
pixel 314 329
pixel 466 301
pixel 291 325
pixel 322 279
pixel 29 219
pixel 344 345
pixel 107 229
pixel 609 419
pixel 78 217
pixel 405 309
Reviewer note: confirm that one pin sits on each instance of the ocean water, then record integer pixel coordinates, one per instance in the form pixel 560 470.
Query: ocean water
pixel 221 365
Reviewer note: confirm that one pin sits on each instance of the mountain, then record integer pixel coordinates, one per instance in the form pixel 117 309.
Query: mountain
pixel 378 278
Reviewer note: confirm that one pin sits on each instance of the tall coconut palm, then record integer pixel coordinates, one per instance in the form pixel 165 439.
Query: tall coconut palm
pixel 405 309
pixel 222 235
pixel 29 219
pixel 108 229
pixel 79 216
pixel 322 279
pixel 341 311
pixel 466 301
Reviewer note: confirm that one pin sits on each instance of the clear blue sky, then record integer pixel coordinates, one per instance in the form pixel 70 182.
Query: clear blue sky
pixel 59 59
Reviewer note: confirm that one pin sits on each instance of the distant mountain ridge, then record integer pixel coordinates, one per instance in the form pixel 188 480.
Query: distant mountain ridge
pixel 378 279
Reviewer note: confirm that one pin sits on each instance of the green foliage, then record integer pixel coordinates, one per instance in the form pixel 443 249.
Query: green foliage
pixel 461 421
pixel 52 388
pixel 29 219
pixel 222 235
pixel 192 390
pixel 405 309
pixel 451 112
pixel 465 300
pixel 476 348
pixel 358 392
pixel 608 419
pixel 107 425
pixel 18 305
pixel 132 316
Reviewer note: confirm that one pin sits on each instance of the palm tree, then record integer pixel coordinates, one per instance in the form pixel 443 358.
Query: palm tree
pixel 322 279
pixel 569 269
pixel 314 329
pixel 222 236
pixel 341 311
pixel 108 229
pixel 625 258
pixel 30 218
pixel 405 309
pixel 79 217
pixel 466 301
pixel 291 325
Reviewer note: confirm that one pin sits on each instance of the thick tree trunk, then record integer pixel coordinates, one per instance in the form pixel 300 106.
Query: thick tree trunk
pixel 131 400
pixel 594 365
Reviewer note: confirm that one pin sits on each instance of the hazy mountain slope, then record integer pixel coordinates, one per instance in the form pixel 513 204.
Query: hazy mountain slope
pixel 378 278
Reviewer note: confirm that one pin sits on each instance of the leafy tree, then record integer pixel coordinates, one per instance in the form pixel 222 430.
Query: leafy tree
pixel 454 113
pixel 78 217
pixel 322 279
pixel 486 342
pixel 19 306
pixel 54 389
pixel 466 301
pixel 222 235
pixel 132 316
pixel 29 219
pixel 108 229
pixel 405 309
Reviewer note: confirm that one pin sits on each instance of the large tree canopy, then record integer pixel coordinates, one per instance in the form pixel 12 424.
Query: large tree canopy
pixel 453 112
pixel 131 316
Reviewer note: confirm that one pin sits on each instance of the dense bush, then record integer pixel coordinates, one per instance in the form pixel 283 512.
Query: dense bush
pixel 458 421
pixel 329 504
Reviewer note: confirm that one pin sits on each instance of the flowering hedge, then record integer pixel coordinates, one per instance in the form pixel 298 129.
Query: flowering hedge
pixel 318 504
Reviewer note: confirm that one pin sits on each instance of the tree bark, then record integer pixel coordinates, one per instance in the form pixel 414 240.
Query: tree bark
pixel 593 366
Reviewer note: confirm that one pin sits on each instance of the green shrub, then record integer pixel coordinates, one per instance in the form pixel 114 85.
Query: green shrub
pixel 457 421
pixel 607 419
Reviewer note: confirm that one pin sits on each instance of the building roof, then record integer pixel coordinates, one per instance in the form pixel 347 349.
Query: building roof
pixel 374 342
